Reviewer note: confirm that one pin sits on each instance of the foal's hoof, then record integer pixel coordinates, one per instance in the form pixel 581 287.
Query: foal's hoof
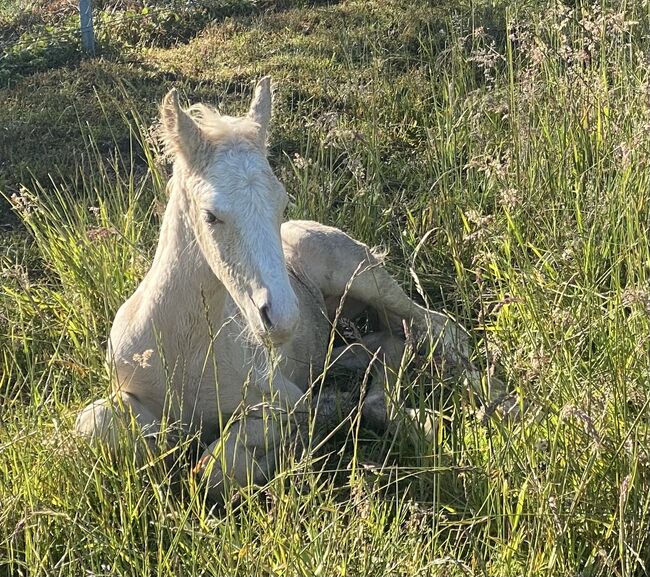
pixel 242 468
pixel 209 471
pixel 423 426
pixel 419 425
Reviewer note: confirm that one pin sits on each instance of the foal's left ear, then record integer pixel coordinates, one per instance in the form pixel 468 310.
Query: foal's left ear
pixel 260 110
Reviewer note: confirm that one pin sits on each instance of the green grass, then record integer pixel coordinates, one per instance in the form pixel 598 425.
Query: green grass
pixel 497 150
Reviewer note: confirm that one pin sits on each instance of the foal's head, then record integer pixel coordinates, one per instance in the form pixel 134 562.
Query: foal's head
pixel 236 206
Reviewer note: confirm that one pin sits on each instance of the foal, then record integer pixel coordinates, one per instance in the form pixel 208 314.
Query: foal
pixel 230 282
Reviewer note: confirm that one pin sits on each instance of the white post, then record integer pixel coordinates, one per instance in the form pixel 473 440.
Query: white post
pixel 87 32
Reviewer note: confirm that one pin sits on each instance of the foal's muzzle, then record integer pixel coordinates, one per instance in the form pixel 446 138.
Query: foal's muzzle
pixel 278 318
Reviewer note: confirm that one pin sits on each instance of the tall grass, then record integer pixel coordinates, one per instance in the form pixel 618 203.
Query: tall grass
pixel 505 170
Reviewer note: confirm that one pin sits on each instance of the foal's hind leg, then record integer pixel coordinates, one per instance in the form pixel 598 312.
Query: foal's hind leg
pixel 346 271
pixel 383 356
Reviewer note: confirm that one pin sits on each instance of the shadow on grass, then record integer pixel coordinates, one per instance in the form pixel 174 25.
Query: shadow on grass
pixel 323 52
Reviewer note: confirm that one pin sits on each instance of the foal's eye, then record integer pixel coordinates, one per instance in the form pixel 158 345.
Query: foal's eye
pixel 210 218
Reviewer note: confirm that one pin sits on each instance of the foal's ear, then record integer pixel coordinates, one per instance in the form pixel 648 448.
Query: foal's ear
pixel 260 110
pixel 181 135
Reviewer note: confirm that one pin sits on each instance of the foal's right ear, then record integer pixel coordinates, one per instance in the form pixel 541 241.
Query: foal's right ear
pixel 260 109
pixel 180 133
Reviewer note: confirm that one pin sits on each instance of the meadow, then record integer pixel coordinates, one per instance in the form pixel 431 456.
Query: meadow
pixel 497 151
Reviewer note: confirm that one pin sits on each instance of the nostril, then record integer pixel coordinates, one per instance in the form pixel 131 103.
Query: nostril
pixel 266 319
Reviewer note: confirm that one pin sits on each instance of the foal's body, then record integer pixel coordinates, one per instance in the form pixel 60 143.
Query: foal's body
pixel 228 285
pixel 202 336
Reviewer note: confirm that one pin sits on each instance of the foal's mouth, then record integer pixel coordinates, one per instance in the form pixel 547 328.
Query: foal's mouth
pixel 262 328
pixel 272 337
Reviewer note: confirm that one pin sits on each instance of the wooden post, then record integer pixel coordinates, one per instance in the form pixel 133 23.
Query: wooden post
pixel 87 31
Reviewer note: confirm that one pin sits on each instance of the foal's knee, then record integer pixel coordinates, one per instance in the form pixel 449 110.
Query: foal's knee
pixel 107 420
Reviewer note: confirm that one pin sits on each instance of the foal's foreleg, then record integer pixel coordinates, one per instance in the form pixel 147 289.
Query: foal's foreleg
pixel 244 454
pixel 248 449
pixel 107 420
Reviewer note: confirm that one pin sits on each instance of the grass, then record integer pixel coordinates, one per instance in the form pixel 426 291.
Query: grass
pixel 498 151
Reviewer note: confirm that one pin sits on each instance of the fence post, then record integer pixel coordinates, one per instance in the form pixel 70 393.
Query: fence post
pixel 87 32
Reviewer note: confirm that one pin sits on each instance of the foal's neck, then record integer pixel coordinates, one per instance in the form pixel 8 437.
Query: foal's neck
pixel 179 275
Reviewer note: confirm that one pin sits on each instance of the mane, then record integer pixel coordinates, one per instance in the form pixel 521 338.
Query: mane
pixel 219 129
